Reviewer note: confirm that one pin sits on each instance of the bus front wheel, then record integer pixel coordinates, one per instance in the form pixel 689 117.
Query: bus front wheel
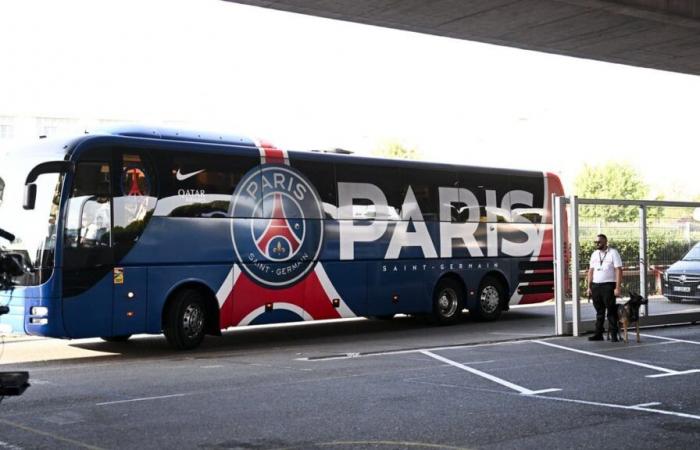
pixel 185 320
pixel 448 302
pixel 489 300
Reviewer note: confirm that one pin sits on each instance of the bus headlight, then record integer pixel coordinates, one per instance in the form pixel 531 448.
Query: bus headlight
pixel 39 311
pixel 665 276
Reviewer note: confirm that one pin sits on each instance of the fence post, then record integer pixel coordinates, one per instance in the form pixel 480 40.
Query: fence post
pixel 643 255
pixel 573 239
pixel 559 265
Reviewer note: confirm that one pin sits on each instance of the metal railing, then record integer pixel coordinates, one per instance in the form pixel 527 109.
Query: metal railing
pixel 564 229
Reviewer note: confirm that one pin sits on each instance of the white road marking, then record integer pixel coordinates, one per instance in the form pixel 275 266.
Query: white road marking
pixel 217 366
pixel 52 435
pixel 680 372
pixel 490 377
pixel 140 399
pixel 35 382
pixel 515 334
pixel 666 372
pixel 8 446
pixel 612 405
pixel 642 405
pixel 403 352
pixel 669 339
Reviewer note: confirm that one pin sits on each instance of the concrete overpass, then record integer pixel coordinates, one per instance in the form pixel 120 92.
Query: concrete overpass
pixel 659 34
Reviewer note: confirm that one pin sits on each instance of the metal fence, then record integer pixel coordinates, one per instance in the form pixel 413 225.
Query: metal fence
pixel 647 248
pixel 667 242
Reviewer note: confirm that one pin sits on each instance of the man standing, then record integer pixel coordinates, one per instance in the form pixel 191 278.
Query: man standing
pixel 604 282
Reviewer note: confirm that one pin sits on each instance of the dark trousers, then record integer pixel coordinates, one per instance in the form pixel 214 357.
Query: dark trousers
pixel 604 298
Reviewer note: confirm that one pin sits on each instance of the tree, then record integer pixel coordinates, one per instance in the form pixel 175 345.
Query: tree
pixel 613 180
pixel 393 149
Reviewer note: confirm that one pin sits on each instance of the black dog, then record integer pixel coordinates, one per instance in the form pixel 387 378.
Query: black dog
pixel 628 314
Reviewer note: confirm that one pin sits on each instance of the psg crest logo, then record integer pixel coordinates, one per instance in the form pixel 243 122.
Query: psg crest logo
pixel 277 229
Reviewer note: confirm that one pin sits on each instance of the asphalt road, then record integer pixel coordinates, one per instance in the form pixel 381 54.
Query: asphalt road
pixel 364 384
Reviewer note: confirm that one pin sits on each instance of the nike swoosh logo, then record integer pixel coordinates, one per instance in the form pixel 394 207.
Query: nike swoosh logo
pixel 183 176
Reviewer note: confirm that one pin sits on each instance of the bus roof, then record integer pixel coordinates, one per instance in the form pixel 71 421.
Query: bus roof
pixel 173 134
pixel 209 137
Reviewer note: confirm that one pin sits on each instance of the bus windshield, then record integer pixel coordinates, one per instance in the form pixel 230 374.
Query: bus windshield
pixel 34 230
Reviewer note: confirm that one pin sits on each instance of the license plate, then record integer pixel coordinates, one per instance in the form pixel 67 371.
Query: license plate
pixel 681 288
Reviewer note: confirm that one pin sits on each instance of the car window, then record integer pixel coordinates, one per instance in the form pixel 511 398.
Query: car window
pixel 693 254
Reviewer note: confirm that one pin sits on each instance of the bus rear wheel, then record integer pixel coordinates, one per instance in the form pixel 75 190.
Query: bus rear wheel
pixel 490 299
pixel 448 302
pixel 185 320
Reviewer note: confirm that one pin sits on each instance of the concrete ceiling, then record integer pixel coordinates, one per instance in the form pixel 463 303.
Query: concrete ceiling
pixel 659 34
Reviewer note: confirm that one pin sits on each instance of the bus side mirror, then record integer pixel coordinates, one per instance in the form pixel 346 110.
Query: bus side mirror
pixel 45 167
pixel 29 196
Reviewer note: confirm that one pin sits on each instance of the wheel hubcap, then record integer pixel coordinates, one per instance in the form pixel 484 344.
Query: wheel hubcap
pixel 489 299
pixel 193 320
pixel 447 302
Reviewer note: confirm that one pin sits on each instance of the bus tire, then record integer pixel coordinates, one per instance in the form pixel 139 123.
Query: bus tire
pixel 185 321
pixel 489 299
pixel 448 302
pixel 121 338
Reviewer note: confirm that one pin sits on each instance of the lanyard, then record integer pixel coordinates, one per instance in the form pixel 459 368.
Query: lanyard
pixel 602 258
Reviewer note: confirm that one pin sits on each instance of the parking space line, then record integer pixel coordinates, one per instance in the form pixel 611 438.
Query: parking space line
pixel 490 377
pixel 5 445
pixel 681 372
pixel 72 442
pixel 642 407
pixel 666 372
pixel 143 399
pixel 669 339
pixel 407 351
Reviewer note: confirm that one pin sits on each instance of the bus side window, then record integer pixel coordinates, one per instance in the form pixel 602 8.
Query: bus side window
pixel 426 186
pixel 486 190
pixel 87 236
pixel 134 199
pixel 88 220
pixel 199 184
pixel 388 182
pixel 526 198
pixel 321 175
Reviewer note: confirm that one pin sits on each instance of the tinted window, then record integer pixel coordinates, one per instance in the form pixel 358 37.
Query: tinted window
pixel 322 176
pixel 377 192
pixel 503 196
pixel 134 198
pixel 87 232
pixel 488 189
pixel 526 197
pixel 200 185
pixel 426 184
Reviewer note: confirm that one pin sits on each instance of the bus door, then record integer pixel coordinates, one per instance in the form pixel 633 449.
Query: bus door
pixel 87 250
pixel 134 201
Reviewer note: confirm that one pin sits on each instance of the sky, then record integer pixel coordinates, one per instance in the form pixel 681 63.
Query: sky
pixel 305 82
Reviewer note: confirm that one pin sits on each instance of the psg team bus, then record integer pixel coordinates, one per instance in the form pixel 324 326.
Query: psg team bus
pixel 160 231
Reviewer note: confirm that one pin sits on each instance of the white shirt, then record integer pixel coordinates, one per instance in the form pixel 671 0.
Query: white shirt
pixel 604 263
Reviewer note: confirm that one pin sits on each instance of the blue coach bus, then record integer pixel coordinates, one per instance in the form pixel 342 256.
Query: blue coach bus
pixel 187 234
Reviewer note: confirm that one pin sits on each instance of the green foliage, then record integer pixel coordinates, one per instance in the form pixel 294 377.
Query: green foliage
pixel 612 180
pixel 660 250
pixel 392 149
